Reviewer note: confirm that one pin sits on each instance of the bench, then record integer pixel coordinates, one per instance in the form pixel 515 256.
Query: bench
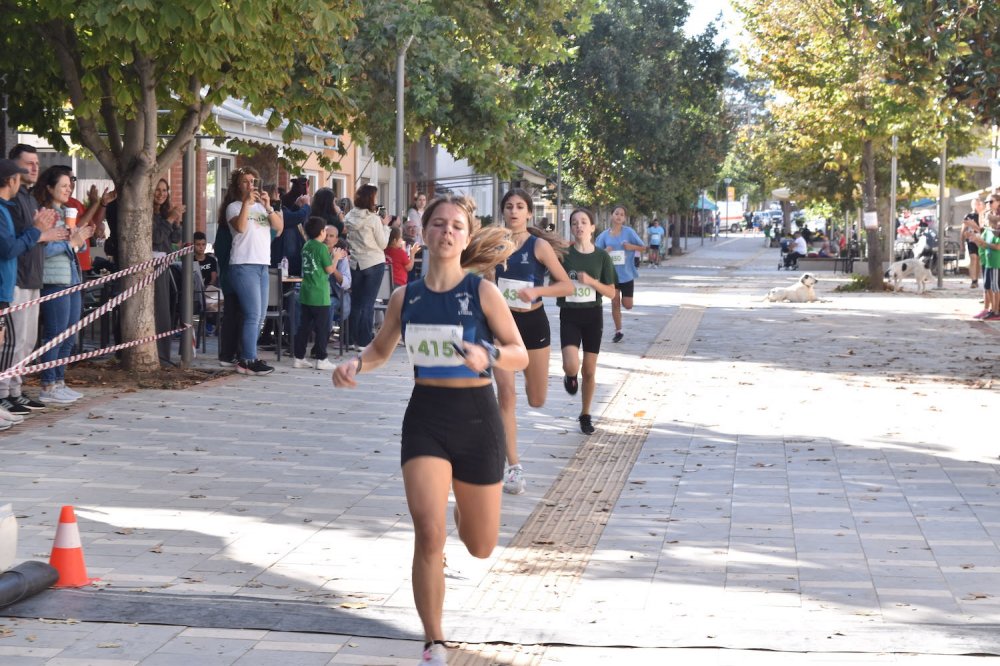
pixel 818 263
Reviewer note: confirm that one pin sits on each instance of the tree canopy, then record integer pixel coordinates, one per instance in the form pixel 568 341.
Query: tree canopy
pixel 949 46
pixel 133 81
pixel 638 113
pixel 466 82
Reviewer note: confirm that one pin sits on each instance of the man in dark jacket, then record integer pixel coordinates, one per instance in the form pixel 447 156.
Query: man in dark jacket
pixel 30 265
pixel 15 242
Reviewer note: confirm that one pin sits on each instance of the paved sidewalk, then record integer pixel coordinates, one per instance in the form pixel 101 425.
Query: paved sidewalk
pixel 810 479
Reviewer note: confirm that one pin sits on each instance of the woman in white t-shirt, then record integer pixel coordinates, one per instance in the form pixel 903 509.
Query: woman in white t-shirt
pixel 251 219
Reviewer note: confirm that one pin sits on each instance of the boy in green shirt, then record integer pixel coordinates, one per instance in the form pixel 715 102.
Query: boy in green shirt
pixel 314 298
pixel 989 255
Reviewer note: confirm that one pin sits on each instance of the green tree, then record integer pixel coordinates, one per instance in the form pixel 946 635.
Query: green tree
pixel 137 79
pixel 465 81
pixel 838 108
pixel 940 46
pixel 637 114
pixel 133 81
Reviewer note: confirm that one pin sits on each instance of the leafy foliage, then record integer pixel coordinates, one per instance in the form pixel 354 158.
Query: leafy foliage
pixel 833 90
pixel 638 113
pixel 935 45
pixel 465 82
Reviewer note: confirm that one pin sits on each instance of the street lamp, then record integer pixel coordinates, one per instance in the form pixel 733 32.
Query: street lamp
pixel 727 181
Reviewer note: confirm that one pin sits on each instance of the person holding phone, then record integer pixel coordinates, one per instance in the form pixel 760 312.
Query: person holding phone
pixel 367 236
pixel 251 219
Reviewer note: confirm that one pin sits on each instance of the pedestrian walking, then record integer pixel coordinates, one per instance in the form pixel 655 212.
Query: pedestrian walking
pixel 581 317
pixel 452 434
pixel 621 242
pixel 522 283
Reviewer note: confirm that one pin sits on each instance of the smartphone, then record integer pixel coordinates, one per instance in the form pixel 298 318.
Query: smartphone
pixel 380 210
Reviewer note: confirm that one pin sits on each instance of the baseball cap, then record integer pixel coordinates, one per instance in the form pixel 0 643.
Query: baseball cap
pixel 9 167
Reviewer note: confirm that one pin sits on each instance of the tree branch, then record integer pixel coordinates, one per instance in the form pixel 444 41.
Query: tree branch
pixel 194 117
pixel 64 45
pixel 148 113
pixel 108 113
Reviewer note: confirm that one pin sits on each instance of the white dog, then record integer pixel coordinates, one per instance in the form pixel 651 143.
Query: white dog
pixel 801 292
pixel 909 268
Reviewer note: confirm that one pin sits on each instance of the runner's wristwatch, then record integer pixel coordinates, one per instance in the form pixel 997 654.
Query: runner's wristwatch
pixel 491 351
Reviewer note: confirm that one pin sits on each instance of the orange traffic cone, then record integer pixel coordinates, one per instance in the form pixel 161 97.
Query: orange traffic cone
pixel 67 552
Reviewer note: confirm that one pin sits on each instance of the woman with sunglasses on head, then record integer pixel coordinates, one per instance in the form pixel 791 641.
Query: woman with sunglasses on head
pixel 251 219
pixel 452 435
pixel 522 282
pixel 621 242
pixel 581 317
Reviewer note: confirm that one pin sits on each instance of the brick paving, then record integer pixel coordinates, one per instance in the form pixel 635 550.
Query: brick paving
pixel 809 479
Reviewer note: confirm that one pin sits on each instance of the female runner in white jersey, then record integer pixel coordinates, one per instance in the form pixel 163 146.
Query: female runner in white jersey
pixel 453 437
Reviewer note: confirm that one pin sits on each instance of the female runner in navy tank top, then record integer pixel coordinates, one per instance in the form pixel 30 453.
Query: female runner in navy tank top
pixel 522 282
pixel 453 436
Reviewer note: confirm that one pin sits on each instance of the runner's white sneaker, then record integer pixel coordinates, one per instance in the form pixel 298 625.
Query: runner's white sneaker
pixel 301 363
pixel 7 417
pixel 325 364
pixel 513 481
pixel 435 654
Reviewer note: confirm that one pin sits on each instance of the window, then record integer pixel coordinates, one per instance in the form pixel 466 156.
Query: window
pixel 219 169
pixel 339 186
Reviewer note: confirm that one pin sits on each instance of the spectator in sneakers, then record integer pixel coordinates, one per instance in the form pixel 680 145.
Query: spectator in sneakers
pixel 989 255
pixel 13 245
pixel 251 219
pixel 314 298
pixel 60 271
pixel 368 234
pixel 22 336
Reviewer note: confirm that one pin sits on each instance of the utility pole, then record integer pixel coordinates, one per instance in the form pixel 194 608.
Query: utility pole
pixel 401 199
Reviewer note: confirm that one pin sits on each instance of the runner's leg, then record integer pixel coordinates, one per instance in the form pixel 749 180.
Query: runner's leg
pixel 427 480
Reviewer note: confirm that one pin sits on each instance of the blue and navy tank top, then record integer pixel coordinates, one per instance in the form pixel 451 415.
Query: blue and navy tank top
pixel 428 313
pixel 524 265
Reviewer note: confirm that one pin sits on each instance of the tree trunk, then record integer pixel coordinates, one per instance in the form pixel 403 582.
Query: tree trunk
pixel 675 222
pixel 135 234
pixel 875 282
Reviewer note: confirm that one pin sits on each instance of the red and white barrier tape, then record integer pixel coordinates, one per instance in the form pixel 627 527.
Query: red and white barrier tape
pixel 167 259
pixel 99 352
pixel 21 368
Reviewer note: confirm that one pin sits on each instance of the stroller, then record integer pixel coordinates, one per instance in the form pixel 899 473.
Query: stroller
pixel 783 260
